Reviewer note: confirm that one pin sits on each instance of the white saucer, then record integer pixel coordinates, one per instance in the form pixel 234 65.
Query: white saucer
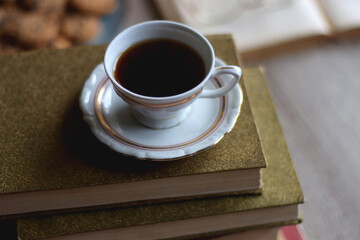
pixel 112 123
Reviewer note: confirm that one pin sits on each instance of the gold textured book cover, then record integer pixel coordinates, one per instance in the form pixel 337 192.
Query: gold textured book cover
pixel 50 160
pixel 277 205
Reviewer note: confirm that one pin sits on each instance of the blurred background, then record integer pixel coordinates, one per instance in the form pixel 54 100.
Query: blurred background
pixel 310 51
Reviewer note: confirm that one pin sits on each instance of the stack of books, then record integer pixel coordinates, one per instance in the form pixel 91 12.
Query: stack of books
pixel 58 181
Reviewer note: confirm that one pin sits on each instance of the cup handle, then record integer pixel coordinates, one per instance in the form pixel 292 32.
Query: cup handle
pixel 235 71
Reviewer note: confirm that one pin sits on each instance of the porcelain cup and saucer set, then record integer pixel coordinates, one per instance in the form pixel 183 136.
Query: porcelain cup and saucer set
pixel 161 128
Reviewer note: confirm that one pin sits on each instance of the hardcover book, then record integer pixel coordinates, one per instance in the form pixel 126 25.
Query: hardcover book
pixel 291 232
pixel 276 206
pixel 267 27
pixel 253 234
pixel 50 160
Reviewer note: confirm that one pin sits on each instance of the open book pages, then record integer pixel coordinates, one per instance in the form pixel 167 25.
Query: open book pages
pixel 262 27
pixel 342 15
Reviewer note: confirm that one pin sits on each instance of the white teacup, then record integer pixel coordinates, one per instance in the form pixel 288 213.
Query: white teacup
pixel 165 112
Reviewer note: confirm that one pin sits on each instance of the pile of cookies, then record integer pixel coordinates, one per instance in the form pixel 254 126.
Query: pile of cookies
pixel 37 24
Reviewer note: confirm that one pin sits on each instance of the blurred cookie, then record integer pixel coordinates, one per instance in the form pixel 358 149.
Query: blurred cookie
pixel 9 46
pixel 36 30
pixel 8 2
pixel 94 7
pixel 60 43
pixel 80 28
pixel 2 20
pixel 9 16
pixel 48 7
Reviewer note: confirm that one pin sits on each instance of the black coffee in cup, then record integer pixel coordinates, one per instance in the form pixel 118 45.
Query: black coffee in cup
pixel 159 68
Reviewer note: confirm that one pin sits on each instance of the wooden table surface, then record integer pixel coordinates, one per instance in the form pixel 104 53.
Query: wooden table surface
pixel 317 96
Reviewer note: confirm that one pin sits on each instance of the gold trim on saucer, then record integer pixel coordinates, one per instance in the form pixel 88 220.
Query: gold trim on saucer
pixel 99 94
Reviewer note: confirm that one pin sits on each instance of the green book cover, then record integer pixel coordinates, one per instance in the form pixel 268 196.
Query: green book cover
pixel 281 191
pixel 50 160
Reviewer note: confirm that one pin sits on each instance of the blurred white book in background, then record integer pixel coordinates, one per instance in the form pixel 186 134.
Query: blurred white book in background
pixel 267 27
pixel 343 15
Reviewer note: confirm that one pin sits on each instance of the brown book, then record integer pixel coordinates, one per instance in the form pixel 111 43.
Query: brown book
pixel 276 206
pixel 50 160
pixel 253 234
pixel 268 27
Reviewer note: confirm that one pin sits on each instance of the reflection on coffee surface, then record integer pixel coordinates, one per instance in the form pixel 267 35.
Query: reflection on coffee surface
pixel 159 68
